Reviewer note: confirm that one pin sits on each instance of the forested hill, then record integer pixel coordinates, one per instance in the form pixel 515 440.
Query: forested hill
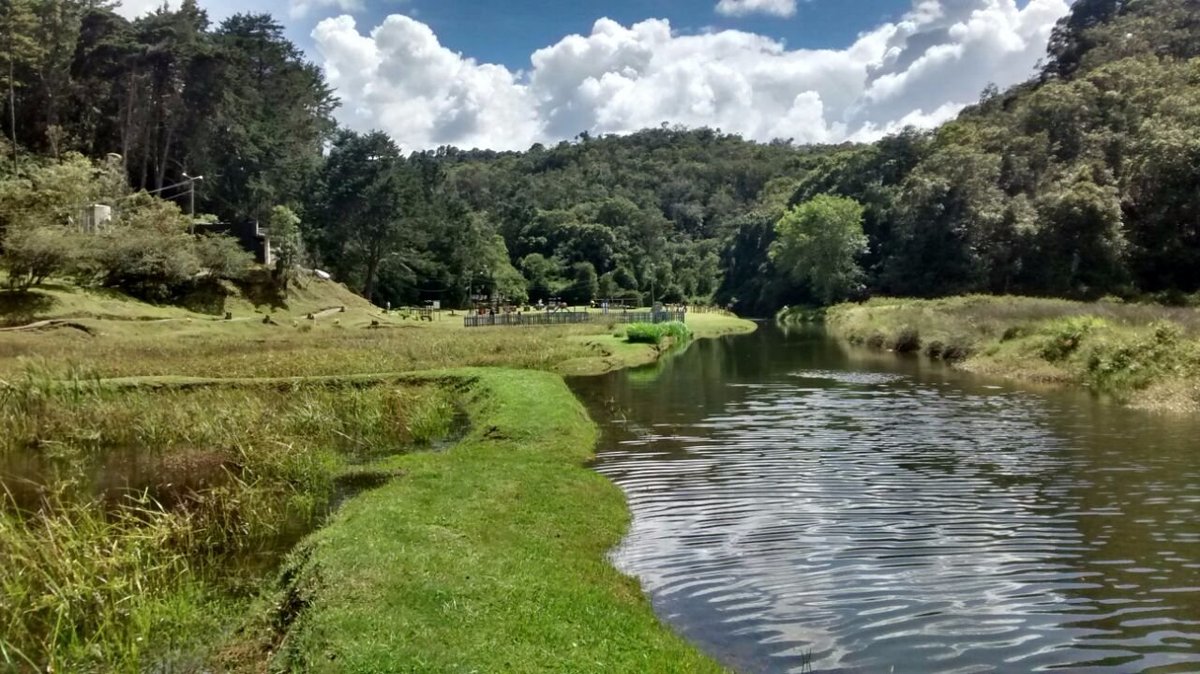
pixel 1084 181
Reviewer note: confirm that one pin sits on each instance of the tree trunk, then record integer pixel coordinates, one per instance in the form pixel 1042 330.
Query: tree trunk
pixel 372 270
pixel 166 156
pixel 12 111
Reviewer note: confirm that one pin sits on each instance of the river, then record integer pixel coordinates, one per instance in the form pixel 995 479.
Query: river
pixel 801 505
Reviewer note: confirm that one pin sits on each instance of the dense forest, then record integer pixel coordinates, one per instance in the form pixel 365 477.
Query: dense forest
pixel 1082 182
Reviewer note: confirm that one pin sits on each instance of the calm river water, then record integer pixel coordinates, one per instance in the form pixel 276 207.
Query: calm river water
pixel 800 505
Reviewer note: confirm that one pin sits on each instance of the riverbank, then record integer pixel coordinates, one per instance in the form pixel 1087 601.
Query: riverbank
pixel 320 417
pixel 488 557
pixel 611 352
pixel 1146 356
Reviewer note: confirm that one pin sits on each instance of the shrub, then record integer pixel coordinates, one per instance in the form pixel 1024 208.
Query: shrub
pixel 148 252
pixel 33 254
pixel 655 333
pixel 677 331
pixel 1065 336
pixel 908 341
pixel 147 263
pixel 223 257
pixel 644 333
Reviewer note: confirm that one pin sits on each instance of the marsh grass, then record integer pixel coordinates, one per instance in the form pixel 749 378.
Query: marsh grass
pixel 1142 354
pixel 79 582
pixel 657 333
pixel 129 503
pixel 228 439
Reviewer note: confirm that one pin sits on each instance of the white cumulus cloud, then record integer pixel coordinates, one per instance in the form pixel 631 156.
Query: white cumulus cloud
pixel 401 80
pixel 784 8
pixel 919 70
pixel 131 9
pixel 300 8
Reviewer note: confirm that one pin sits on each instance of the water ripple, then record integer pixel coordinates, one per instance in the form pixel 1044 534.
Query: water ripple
pixel 877 522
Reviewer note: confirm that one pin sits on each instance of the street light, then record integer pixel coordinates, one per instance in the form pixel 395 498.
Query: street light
pixel 192 197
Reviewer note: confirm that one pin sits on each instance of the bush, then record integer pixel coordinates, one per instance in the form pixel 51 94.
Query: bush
pixel 1065 336
pixel 908 341
pixel 223 257
pixel 33 254
pixel 677 331
pixel 147 263
pixel 644 333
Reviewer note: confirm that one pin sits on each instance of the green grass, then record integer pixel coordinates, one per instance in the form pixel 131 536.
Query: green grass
pixel 657 333
pixel 239 429
pixel 490 557
pixel 1145 355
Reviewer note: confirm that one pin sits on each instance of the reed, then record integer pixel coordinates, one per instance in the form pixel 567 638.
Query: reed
pixel 127 505
pixel 657 333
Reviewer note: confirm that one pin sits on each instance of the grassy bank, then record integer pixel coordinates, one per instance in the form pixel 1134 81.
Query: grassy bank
pixel 1144 355
pixel 149 452
pixel 611 351
pixel 490 557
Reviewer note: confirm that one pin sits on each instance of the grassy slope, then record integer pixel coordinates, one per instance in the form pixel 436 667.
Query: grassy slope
pixel 1145 355
pixel 490 557
pixel 197 345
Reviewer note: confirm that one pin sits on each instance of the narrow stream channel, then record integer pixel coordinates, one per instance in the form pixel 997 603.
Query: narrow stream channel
pixel 799 505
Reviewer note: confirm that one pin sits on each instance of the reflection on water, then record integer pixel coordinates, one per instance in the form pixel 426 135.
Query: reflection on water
pixel 795 501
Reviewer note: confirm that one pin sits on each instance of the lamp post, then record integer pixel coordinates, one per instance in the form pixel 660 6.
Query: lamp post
pixel 192 197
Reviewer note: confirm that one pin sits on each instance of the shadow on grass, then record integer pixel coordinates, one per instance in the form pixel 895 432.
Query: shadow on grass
pixel 19 308
pixel 260 289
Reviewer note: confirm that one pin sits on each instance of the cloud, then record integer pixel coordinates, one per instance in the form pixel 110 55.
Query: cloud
pixel 216 9
pixel 783 8
pixel 300 8
pixel 919 70
pixel 131 9
pixel 402 80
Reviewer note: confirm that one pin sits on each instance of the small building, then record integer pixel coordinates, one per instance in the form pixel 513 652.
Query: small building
pixel 93 217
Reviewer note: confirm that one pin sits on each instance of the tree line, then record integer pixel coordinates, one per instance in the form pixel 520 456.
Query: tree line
pixel 1080 182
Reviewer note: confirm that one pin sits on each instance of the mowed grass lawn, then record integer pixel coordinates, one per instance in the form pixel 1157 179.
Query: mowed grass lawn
pixel 489 558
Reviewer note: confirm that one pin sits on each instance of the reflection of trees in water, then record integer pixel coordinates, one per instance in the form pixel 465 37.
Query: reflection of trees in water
pixel 1135 490
pixel 1051 489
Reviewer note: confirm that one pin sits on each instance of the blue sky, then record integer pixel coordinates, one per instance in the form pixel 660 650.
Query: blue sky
pixel 508 32
pixel 507 74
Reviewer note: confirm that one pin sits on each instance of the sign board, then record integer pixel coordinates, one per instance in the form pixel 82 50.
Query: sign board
pixel 437 304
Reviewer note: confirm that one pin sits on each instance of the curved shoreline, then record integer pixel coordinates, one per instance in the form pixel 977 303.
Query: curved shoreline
pixel 494 556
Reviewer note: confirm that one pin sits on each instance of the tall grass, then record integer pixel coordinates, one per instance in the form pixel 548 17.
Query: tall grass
pixel 123 505
pixel 79 582
pixel 657 333
pixel 1145 354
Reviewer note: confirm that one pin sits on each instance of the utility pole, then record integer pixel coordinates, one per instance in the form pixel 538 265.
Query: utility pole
pixel 192 198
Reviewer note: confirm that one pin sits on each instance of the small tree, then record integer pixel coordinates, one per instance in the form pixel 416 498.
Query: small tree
pixel 147 250
pixel 585 285
pixel 818 243
pixel 33 254
pixel 287 246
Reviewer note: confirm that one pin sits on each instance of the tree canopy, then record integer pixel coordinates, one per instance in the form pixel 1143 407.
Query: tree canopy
pixel 1080 182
